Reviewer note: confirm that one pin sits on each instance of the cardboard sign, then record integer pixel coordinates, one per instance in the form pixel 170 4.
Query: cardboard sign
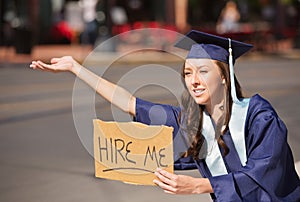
pixel 131 151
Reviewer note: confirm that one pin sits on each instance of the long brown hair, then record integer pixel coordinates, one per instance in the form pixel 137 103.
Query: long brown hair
pixel 192 118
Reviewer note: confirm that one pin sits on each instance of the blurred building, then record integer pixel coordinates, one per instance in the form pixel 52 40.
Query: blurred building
pixel 62 21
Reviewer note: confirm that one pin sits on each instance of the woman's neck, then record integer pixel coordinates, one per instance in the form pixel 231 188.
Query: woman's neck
pixel 216 111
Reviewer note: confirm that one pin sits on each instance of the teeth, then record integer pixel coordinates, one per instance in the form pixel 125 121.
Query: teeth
pixel 198 91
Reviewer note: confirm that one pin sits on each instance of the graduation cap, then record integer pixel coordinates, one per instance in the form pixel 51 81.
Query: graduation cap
pixel 204 45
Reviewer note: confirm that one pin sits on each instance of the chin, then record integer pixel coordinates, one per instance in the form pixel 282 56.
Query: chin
pixel 201 101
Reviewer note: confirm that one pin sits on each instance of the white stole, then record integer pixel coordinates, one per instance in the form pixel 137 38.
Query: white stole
pixel 214 160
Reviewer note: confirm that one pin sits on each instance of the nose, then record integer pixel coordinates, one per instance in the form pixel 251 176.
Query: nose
pixel 195 79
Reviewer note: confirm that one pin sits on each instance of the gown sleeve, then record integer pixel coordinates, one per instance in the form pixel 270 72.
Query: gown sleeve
pixel 269 174
pixel 160 114
pixel 157 114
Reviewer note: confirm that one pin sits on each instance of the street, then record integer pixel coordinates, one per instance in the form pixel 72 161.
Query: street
pixel 42 157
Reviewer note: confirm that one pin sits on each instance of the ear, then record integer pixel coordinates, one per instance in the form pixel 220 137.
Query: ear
pixel 223 80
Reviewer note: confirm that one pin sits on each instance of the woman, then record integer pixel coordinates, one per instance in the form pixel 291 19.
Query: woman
pixel 239 145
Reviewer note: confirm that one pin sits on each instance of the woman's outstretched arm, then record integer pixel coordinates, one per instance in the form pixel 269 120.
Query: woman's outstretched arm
pixel 110 91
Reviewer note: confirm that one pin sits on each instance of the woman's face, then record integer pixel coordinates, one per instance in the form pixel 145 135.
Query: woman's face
pixel 204 81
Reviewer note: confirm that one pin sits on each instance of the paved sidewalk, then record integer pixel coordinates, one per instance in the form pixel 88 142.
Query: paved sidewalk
pixel 80 53
pixel 44 52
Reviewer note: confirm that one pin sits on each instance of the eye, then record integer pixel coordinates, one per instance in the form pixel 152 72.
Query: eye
pixel 187 73
pixel 203 70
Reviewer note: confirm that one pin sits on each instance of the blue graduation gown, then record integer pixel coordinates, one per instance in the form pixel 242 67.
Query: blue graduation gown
pixel 269 174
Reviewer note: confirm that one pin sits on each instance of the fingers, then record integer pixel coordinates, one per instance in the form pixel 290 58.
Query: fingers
pixel 166 177
pixel 33 65
pixel 167 174
pixel 42 66
pixel 36 65
pixel 167 188
pixel 166 181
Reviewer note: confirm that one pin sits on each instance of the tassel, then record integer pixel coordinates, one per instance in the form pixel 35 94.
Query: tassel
pixel 231 70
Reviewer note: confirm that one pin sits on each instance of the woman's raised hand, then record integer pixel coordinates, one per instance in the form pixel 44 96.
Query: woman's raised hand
pixel 66 63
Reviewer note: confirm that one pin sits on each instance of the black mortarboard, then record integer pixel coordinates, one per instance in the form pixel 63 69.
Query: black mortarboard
pixel 204 45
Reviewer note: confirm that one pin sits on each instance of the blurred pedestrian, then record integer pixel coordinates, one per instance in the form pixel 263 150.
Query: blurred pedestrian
pixel 238 144
pixel 229 18
pixel 90 32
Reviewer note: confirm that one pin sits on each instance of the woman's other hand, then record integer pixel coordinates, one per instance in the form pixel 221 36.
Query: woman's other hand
pixel 181 184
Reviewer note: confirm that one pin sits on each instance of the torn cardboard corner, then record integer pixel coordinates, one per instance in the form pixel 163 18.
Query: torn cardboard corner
pixel 131 151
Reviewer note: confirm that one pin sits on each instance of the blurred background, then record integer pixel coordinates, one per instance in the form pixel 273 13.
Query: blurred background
pixel 272 25
pixel 42 157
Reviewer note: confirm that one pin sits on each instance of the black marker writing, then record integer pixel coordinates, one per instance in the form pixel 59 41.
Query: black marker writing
pixel 153 156
pixel 115 149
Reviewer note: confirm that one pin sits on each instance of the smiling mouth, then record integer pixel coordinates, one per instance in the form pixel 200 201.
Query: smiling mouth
pixel 198 92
